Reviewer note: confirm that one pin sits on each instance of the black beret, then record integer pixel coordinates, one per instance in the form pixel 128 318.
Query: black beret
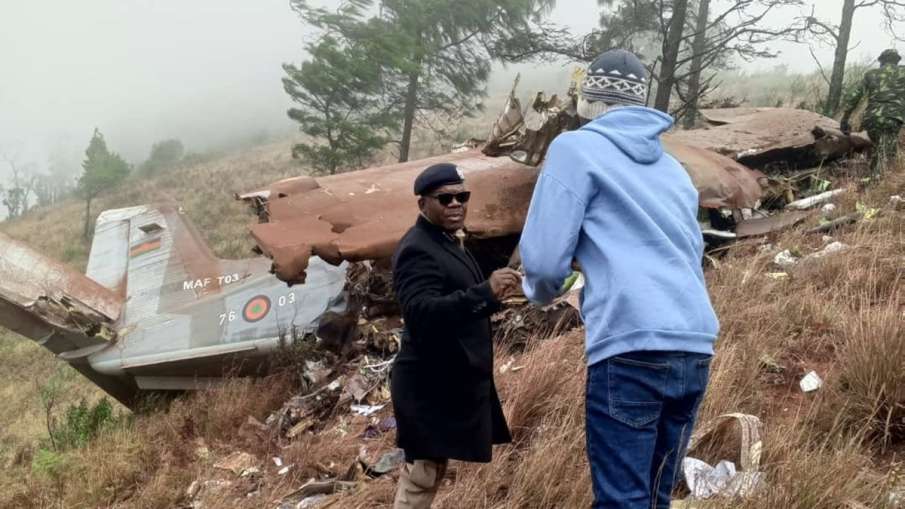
pixel 438 175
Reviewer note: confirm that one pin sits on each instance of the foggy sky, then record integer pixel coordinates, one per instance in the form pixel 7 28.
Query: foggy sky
pixel 204 71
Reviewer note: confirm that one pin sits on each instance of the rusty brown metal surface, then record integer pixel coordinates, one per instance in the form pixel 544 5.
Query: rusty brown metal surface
pixel 764 225
pixel 27 275
pixel 721 181
pixel 362 215
pixel 757 137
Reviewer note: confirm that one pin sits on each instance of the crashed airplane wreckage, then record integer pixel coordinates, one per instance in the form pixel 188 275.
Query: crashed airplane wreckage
pixel 361 215
pixel 157 310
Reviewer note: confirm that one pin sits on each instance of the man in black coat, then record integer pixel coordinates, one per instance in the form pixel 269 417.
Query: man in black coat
pixel 444 398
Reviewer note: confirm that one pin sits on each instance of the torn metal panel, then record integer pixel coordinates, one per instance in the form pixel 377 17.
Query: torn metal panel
pixel 757 137
pixel 721 182
pixel 27 276
pixel 362 215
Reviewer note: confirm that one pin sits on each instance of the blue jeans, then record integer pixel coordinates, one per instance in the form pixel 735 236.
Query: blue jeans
pixel 641 409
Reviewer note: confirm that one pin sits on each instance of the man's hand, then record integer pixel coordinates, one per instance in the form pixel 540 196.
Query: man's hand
pixel 845 126
pixel 504 283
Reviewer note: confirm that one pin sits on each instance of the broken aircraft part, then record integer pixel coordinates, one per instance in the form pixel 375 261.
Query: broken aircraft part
pixel 157 310
pixel 362 215
pixel 764 225
pixel 758 137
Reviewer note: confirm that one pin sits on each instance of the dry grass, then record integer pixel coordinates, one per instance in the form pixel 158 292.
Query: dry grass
pixel 840 447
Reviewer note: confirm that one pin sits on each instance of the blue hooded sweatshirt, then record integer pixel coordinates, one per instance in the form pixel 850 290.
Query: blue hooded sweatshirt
pixel 610 197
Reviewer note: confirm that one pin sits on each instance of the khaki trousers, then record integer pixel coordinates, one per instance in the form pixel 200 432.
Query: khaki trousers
pixel 419 483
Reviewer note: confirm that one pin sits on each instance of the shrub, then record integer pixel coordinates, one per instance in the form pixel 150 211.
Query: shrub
pixel 83 422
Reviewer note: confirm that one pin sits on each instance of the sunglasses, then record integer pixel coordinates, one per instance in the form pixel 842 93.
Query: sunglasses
pixel 446 199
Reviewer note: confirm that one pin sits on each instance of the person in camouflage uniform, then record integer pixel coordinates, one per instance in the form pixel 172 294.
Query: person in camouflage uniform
pixel 885 114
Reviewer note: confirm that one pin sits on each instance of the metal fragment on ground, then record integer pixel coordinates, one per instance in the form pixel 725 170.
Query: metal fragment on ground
pixel 813 201
pixel 764 225
pixel 835 224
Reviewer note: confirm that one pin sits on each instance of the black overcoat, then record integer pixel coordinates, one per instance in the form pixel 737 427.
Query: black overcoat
pixel 444 398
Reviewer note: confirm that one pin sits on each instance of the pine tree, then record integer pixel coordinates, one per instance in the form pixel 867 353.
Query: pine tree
pixel 434 55
pixel 102 170
pixel 340 105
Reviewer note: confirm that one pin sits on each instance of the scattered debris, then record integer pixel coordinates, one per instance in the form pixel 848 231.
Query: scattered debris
pixel 198 491
pixel 813 201
pixel 387 463
pixel 505 368
pixel 827 210
pixel 193 490
pixel 314 488
pixel 764 225
pixel 785 259
pixel 811 382
pixel 375 430
pixel 830 249
pixel 366 410
pixel 705 481
pixel 250 472
pixel 835 224
pixel 896 202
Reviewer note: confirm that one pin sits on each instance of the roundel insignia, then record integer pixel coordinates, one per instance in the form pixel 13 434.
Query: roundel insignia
pixel 256 309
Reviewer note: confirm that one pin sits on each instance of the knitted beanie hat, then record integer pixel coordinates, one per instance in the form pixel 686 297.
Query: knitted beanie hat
pixel 616 77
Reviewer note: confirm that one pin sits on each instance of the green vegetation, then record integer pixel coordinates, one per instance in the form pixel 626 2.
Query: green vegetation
pixel 164 155
pixel 398 64
pixel 338 93
pixel 102 171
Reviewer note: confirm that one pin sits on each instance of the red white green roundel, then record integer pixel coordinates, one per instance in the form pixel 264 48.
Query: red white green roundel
pixel 256 309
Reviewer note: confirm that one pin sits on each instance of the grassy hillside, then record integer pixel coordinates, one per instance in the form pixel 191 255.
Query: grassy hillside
pixel 841 446
pixel 842 316
pixel 204 190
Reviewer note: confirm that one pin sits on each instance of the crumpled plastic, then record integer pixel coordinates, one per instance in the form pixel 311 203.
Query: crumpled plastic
pixel 706 481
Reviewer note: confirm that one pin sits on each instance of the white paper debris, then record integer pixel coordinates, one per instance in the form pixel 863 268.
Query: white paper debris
pixel 813 201
pixel 367 410
pixel 785 259
pixel 811 382
pixel 833 248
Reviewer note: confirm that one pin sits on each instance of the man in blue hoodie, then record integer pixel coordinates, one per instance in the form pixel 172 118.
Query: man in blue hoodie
pixel 610 198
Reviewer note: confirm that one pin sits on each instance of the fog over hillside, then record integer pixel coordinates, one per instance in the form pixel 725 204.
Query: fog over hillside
pixel 207 71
